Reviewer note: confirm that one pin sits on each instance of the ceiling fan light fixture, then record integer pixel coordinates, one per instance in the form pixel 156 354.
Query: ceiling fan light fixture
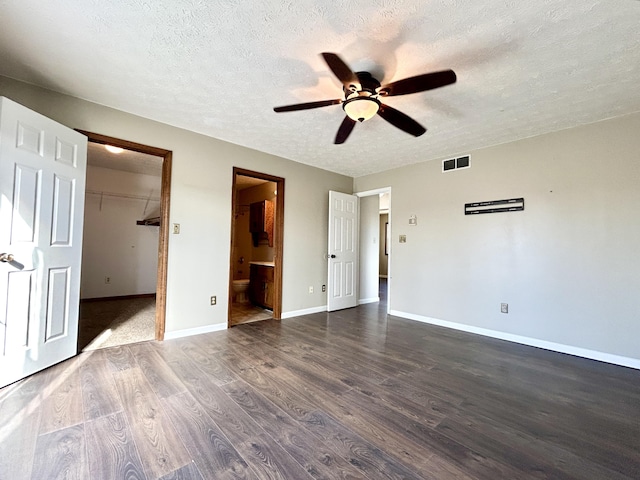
pixel 361 107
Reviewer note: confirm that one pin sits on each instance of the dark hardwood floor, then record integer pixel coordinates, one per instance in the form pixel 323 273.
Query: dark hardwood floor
pixel 352 394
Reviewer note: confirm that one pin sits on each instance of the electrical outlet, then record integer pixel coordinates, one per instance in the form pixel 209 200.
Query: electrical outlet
pixel 176 228
pixel 324 288
pixel 310 289
pixel 402 239
pixel 107 280
pixel 213 300
pixel 504 308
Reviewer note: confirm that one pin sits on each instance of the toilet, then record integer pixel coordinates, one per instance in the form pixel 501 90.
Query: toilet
pixel 240 288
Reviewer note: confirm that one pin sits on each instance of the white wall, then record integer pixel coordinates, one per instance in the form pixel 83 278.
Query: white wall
pixel 201 202
pixel 369 248
pixel 113 245
pixel 384 258
pixel 567 265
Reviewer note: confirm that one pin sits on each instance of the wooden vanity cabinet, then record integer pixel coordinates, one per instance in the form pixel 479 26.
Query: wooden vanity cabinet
pixel 261 286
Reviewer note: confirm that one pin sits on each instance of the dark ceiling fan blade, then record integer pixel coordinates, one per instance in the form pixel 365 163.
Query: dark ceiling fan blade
pixel 419 83
pixel 345 130
pixel 400 120
pixel 340 69
pixel 307 106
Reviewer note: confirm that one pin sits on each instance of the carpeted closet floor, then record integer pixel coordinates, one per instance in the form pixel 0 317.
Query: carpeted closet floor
pixel 106 323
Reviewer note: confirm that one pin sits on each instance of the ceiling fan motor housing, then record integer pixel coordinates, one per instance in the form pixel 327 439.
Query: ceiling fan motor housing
pixel 367 83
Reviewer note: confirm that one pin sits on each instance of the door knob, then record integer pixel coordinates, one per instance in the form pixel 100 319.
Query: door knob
pixel 332 256
pixel 6 257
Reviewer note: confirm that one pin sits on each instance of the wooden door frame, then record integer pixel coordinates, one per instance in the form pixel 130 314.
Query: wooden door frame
pixel 278 238
pixel 163 237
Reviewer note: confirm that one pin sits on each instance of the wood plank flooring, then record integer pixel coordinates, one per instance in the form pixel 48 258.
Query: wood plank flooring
pixel 353 394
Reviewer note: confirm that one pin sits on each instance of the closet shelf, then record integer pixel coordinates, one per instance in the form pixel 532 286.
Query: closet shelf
pixel 148 198
pixel 154 221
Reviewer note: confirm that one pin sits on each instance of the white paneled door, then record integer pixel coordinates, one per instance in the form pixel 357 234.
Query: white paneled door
pixel 42 183
pixel 343 251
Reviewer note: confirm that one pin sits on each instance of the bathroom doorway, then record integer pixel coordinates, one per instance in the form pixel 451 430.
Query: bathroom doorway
pixel 255 274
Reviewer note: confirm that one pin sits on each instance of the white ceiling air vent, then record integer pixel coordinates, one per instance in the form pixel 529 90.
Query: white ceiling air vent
pixel 456 163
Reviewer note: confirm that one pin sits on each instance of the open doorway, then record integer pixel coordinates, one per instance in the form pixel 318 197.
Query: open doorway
pixel 375 246
pixel 255 276
pixel 385 246
pixel 123 287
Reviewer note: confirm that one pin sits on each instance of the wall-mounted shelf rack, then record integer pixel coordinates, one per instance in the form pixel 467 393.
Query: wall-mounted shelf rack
pixel 154 221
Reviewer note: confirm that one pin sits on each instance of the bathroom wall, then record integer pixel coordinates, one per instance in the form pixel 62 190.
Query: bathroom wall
pixel 243 244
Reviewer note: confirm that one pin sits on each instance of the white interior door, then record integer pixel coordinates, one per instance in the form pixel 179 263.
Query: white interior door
pixel 42 184
pixel 343 251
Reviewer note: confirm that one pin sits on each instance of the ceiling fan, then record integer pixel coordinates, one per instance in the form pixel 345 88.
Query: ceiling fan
pixel 361 97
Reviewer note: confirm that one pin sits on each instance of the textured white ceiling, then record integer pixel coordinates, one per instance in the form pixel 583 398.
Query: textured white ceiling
pixel 218 67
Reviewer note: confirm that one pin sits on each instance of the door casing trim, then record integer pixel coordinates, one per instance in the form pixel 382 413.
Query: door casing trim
pixel 163 238
pixel 278 235
pixel 368 193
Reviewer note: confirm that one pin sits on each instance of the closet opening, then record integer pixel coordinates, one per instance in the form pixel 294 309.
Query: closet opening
pixel 124 253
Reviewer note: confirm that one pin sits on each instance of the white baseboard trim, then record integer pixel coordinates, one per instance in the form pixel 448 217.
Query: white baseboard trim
pixel 195 331
pixel 532 342
pixel 362 301
pixel 306 311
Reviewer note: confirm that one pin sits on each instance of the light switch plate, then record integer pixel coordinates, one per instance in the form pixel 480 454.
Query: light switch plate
pixel 403 239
